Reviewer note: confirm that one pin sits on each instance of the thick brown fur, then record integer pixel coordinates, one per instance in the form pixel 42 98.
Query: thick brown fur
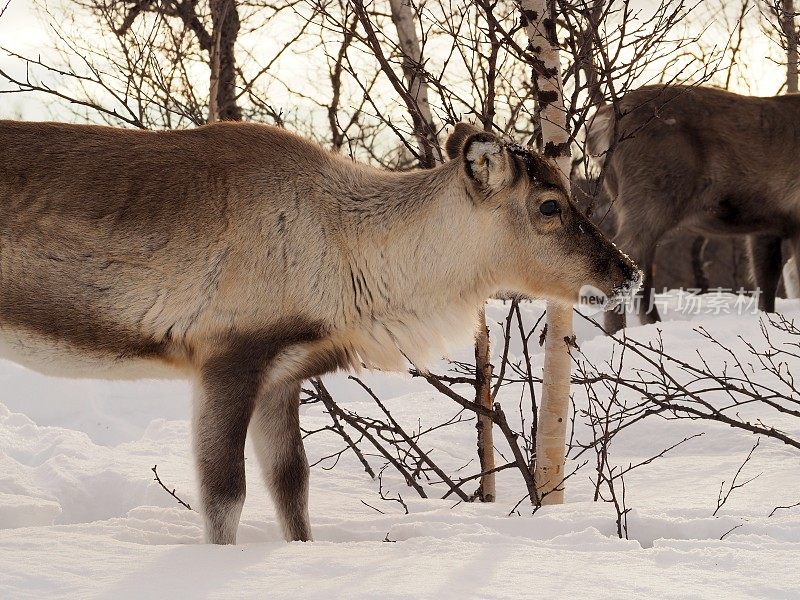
pixel 707 161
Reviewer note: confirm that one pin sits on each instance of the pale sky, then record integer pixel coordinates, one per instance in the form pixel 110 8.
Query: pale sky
pixel 24 31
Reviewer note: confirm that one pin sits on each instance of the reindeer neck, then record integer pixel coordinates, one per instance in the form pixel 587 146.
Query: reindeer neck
pixel 417 240
pixel 378 199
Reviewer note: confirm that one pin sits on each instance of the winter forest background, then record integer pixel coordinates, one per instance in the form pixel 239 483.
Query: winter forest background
pixel 683 438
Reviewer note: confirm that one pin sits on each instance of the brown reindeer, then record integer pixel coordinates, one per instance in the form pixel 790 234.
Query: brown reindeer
pixel 705 160
pixel 248 259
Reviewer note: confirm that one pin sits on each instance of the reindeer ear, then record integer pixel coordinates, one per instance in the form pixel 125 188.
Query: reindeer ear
pixel 456 140
pixel 487 162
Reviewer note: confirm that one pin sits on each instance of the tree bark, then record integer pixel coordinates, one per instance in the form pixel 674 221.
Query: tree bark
pixel 538 17
pixel 213 86
pixel 790 31
pixel 790 278
pixel 487 491
pixel 222 105
pixel 403 18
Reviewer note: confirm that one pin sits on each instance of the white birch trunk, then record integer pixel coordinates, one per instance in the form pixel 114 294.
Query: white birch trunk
pixel 487 490
pixel 403 17
pixel 213 88
pixel 790 30
pixel 554 410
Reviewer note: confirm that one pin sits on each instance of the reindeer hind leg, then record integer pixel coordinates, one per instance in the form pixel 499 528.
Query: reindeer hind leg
pixel 276 435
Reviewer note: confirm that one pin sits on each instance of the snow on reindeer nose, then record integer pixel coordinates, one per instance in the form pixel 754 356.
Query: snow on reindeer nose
pixel 629 289
pixel 592 300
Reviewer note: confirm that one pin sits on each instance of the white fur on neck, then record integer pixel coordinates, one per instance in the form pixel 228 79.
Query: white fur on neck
pixel 427 286
pixel 417 338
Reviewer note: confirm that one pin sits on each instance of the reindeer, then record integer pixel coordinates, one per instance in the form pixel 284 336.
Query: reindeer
pixel 248 259
pixel 705 160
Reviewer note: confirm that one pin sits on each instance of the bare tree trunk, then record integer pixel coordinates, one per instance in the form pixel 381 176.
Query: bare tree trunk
pixel 553 414
pixel 403 18
pixel 429 152
pixel 222 104
pixel 787 24
pixel 213 88
pixel 790 31
pixel 487 491
pixel 538 17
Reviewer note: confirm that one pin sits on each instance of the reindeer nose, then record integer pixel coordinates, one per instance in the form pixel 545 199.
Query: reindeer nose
pixel 630 286
pixel 629 270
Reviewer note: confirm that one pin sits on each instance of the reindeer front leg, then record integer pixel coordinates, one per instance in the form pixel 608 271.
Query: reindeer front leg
pixel 766 264
pixel 224 401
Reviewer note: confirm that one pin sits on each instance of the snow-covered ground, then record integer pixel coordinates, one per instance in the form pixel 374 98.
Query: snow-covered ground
pixel 81 517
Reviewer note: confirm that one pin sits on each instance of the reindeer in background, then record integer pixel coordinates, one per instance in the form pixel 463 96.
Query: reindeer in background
pixel 705 160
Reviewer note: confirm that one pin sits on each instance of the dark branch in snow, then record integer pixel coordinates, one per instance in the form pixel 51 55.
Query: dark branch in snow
pixel 166 489
pixel 777 508
pixel 723 495
pixel 731 530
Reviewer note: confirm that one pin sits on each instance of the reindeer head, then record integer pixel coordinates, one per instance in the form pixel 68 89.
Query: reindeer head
pixel 546 247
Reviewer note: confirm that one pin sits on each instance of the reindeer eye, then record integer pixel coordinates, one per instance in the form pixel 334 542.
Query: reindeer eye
pixel 549 208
